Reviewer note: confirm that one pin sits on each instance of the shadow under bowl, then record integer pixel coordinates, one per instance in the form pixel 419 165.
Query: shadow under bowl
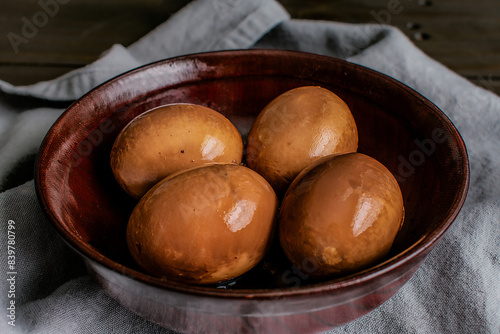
pixel 396 125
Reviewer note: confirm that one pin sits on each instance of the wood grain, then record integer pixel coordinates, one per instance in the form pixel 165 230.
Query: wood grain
pixel 463 35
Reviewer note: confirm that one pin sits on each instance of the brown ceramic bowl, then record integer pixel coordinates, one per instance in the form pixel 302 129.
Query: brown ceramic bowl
pixel 397 126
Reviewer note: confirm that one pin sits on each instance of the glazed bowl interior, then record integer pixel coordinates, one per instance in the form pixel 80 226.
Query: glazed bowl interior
pixel 396 125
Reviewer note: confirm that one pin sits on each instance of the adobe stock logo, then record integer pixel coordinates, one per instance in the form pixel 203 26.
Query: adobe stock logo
pixel 31 26
pixel 417 157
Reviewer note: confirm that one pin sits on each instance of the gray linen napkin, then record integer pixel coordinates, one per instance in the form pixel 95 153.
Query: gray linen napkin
pixel 456 290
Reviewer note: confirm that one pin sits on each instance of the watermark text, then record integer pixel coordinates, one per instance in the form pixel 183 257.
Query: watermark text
pixel 11 272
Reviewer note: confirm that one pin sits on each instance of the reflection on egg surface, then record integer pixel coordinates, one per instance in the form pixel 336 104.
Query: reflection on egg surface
pixel 203 225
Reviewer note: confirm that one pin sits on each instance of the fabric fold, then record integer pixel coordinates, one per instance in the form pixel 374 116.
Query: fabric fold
pixel 74 84
pixel 209 26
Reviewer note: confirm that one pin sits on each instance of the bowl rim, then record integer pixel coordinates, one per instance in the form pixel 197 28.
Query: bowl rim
pixel 423 245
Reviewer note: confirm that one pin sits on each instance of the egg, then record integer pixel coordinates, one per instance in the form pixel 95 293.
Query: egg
pixel 340 215
pixel 297 128
pixel 170 138
pixel 203 225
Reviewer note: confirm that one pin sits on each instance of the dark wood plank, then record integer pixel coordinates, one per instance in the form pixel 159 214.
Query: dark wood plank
pixel 76 33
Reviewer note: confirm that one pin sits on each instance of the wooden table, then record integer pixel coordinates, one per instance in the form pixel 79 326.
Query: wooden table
pixel 462 34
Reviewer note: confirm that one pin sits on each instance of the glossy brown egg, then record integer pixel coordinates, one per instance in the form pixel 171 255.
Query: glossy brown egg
pixel 164 140
pixel 340 215
pixel 297 128
pixel 204 225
